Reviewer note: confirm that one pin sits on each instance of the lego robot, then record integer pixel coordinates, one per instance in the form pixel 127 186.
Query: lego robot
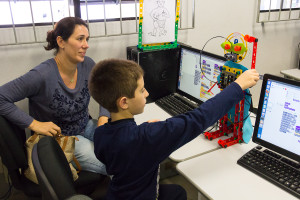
pixel 237 120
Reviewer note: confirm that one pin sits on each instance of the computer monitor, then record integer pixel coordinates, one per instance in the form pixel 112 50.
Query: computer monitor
pixel 195 80
pixel 277 124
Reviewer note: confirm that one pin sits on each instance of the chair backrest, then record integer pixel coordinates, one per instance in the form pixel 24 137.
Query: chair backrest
pixel 52 170
pixel 13 155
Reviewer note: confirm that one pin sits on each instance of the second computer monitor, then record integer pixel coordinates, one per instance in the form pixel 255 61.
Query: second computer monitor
pixel 195 79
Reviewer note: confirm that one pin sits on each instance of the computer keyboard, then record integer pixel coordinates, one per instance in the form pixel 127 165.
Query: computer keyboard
pixel 274 168
pixel 174 105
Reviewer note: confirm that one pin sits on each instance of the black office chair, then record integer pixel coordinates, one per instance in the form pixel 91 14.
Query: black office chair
pixel 52 170
pixel 54 174
pixel 13 154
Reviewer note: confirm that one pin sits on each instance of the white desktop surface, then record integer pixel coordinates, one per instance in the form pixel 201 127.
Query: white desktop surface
pixel 194 148
pixel 151 111
pixel 218 176
pixel 199 146
pixel 291 73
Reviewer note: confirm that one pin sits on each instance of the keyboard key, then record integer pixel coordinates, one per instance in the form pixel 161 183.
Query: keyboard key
pixel 293 186
pixel 287 183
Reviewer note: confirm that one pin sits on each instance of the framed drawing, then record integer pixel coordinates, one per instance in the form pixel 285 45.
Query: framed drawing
pixel 158 24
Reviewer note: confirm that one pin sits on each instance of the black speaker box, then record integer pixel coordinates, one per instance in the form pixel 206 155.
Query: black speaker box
pixel 160 67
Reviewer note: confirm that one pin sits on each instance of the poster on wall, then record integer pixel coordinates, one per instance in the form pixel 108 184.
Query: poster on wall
pixel 158 22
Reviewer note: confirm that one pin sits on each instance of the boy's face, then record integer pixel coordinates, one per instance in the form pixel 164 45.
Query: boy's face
pixel 136 105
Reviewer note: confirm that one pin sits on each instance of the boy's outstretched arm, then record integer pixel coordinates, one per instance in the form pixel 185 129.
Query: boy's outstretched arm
pixel 247 79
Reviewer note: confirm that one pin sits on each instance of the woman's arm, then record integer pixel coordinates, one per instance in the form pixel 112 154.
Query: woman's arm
pixel 25 86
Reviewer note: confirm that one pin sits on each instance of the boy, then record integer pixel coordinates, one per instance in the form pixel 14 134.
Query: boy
pixel 132 153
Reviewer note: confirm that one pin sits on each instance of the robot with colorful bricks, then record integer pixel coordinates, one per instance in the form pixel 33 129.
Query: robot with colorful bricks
pixel 237 120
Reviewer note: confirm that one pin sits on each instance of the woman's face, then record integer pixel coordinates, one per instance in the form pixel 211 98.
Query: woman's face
pixel 76 46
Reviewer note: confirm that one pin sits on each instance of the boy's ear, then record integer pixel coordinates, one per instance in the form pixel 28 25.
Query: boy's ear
pixel 122 103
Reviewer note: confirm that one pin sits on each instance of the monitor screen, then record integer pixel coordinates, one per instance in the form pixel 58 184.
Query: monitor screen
pixel 194 80
pixel 279 121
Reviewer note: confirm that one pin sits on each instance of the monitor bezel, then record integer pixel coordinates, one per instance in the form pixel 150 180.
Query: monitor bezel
pixel 264 143
pixel 198 101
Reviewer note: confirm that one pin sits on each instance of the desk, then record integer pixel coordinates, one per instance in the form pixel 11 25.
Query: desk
pixel 217 176
pixel 151 111
pixel 199 146
pixel 194 148
pixel 291 73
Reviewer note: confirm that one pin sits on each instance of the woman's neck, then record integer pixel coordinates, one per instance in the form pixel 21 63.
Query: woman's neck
pixel 67 71
pixel 65 65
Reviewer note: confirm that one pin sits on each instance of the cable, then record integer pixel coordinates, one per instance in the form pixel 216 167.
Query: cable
pixel 254 118
pixel 203 50
pixel 251 105
pixel 216 124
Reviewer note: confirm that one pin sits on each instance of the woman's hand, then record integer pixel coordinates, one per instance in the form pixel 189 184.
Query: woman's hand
pixel 102 120
pixel 44 128
pixel 153 120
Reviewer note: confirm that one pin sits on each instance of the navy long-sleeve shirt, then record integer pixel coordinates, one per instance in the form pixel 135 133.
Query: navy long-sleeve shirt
pixel 132 153
pixel 49 98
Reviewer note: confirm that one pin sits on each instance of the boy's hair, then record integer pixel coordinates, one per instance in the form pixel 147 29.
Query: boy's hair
pixel 114 78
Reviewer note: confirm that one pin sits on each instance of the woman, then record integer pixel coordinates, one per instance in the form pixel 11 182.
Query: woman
pixel 58 94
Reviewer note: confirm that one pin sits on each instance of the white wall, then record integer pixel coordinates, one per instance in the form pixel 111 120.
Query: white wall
pixel 277 45
pixel 277 41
